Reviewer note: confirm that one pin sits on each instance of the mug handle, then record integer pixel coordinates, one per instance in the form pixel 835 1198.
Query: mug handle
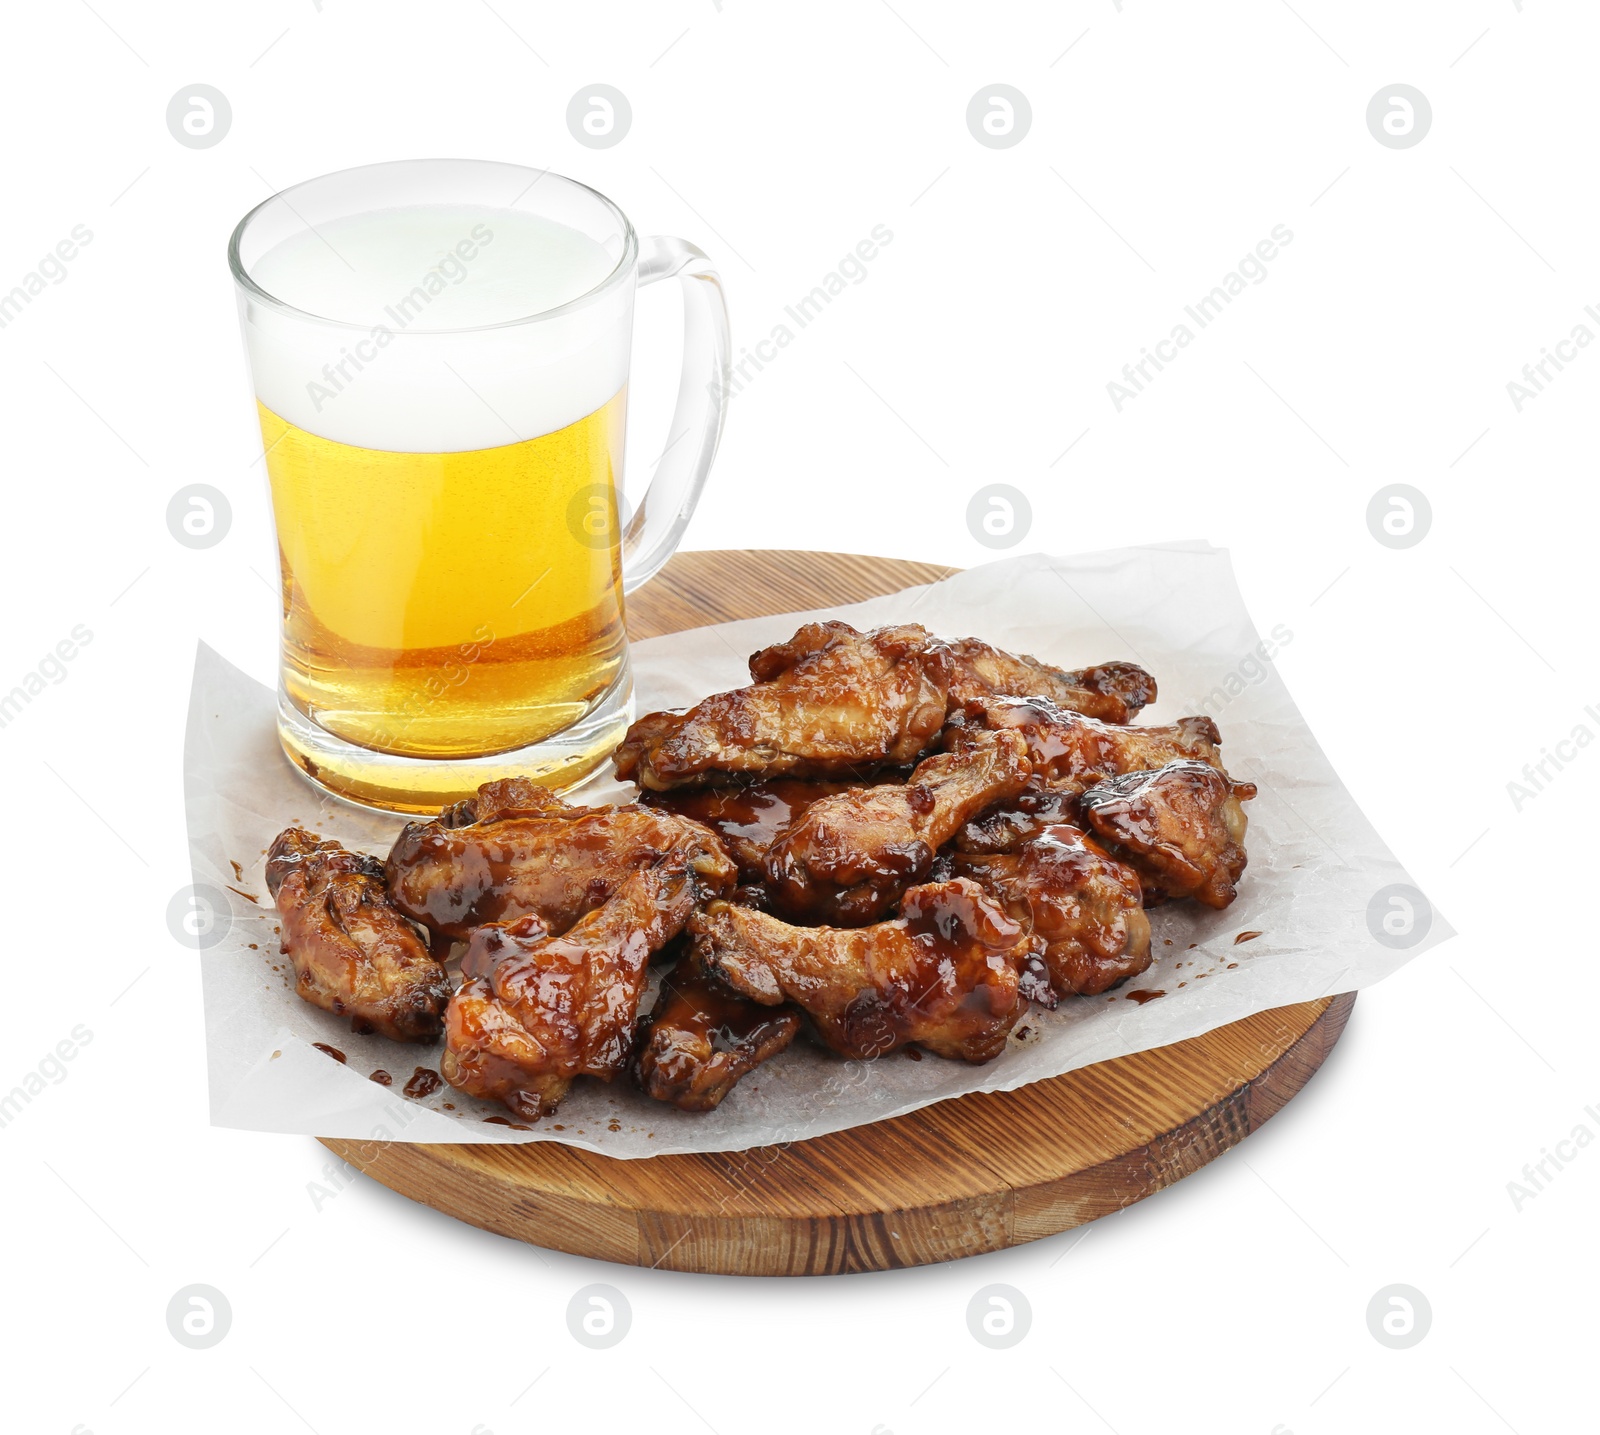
pixel 667 504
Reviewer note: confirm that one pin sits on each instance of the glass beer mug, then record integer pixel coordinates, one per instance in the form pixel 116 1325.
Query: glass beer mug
pixel 440 352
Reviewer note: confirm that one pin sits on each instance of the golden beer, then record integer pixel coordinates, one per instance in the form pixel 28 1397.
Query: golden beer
pixel 449 604
pixel 440 352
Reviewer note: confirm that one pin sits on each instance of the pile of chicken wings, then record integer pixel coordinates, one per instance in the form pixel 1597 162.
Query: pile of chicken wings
pixel 886 839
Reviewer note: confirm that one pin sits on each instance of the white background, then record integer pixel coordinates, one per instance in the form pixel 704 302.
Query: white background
pixel 1166 141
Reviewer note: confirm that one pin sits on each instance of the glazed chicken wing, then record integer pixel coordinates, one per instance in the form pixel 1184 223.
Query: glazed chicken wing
pixel 538 1009
pixel 746 819
pixel 1073 752
pixel 831 702
pixel 518 849
pixel 1085 906
pixel 353 954
pixel 1112 692
pixel 847 858
pixel 702 1036
pixel 953 973
pixel 509 796
pixel 1180 826
pixel 1009 825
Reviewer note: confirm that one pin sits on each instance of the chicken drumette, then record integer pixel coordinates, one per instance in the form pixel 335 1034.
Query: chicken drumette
pixel 702 1036
pixel 1072 752
pixel 1112 692
pixel 1157 797
pixel 747 819
pixel 519 850
pixel 1180 826
pixel 353 954
pixel 1083 905
pixel 953 973
pixel 847 858
pixel 539 1009
pixel 831 702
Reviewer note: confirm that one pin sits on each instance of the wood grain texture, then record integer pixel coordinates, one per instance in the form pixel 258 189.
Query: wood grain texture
pixel 974 1174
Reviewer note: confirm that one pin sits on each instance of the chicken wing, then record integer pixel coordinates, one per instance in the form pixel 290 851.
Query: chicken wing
pixel 1008 825
pixel 953 973
pixel 518 849
pixel 1073 752
pixel 746 819
pixel 1112 692
pixel 702 1037
pixel 1180 826
pixel 847 858
pixel 353 954
pixel 520 796
pixel 834 702
pixel 538 1010
pixel 831 703
pixel 1085 906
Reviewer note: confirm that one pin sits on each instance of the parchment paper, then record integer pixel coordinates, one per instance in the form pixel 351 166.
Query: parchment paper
pixel 1319 889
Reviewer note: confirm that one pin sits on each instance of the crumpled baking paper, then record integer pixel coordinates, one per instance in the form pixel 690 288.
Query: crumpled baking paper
pixel 1329 907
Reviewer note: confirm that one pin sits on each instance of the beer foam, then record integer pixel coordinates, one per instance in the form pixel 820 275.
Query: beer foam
pixel 406 335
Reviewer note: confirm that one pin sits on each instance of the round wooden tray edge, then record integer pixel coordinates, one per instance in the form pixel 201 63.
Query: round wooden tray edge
pixel 598 1216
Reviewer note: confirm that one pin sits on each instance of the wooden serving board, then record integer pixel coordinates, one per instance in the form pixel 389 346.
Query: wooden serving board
pixel 972 1174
